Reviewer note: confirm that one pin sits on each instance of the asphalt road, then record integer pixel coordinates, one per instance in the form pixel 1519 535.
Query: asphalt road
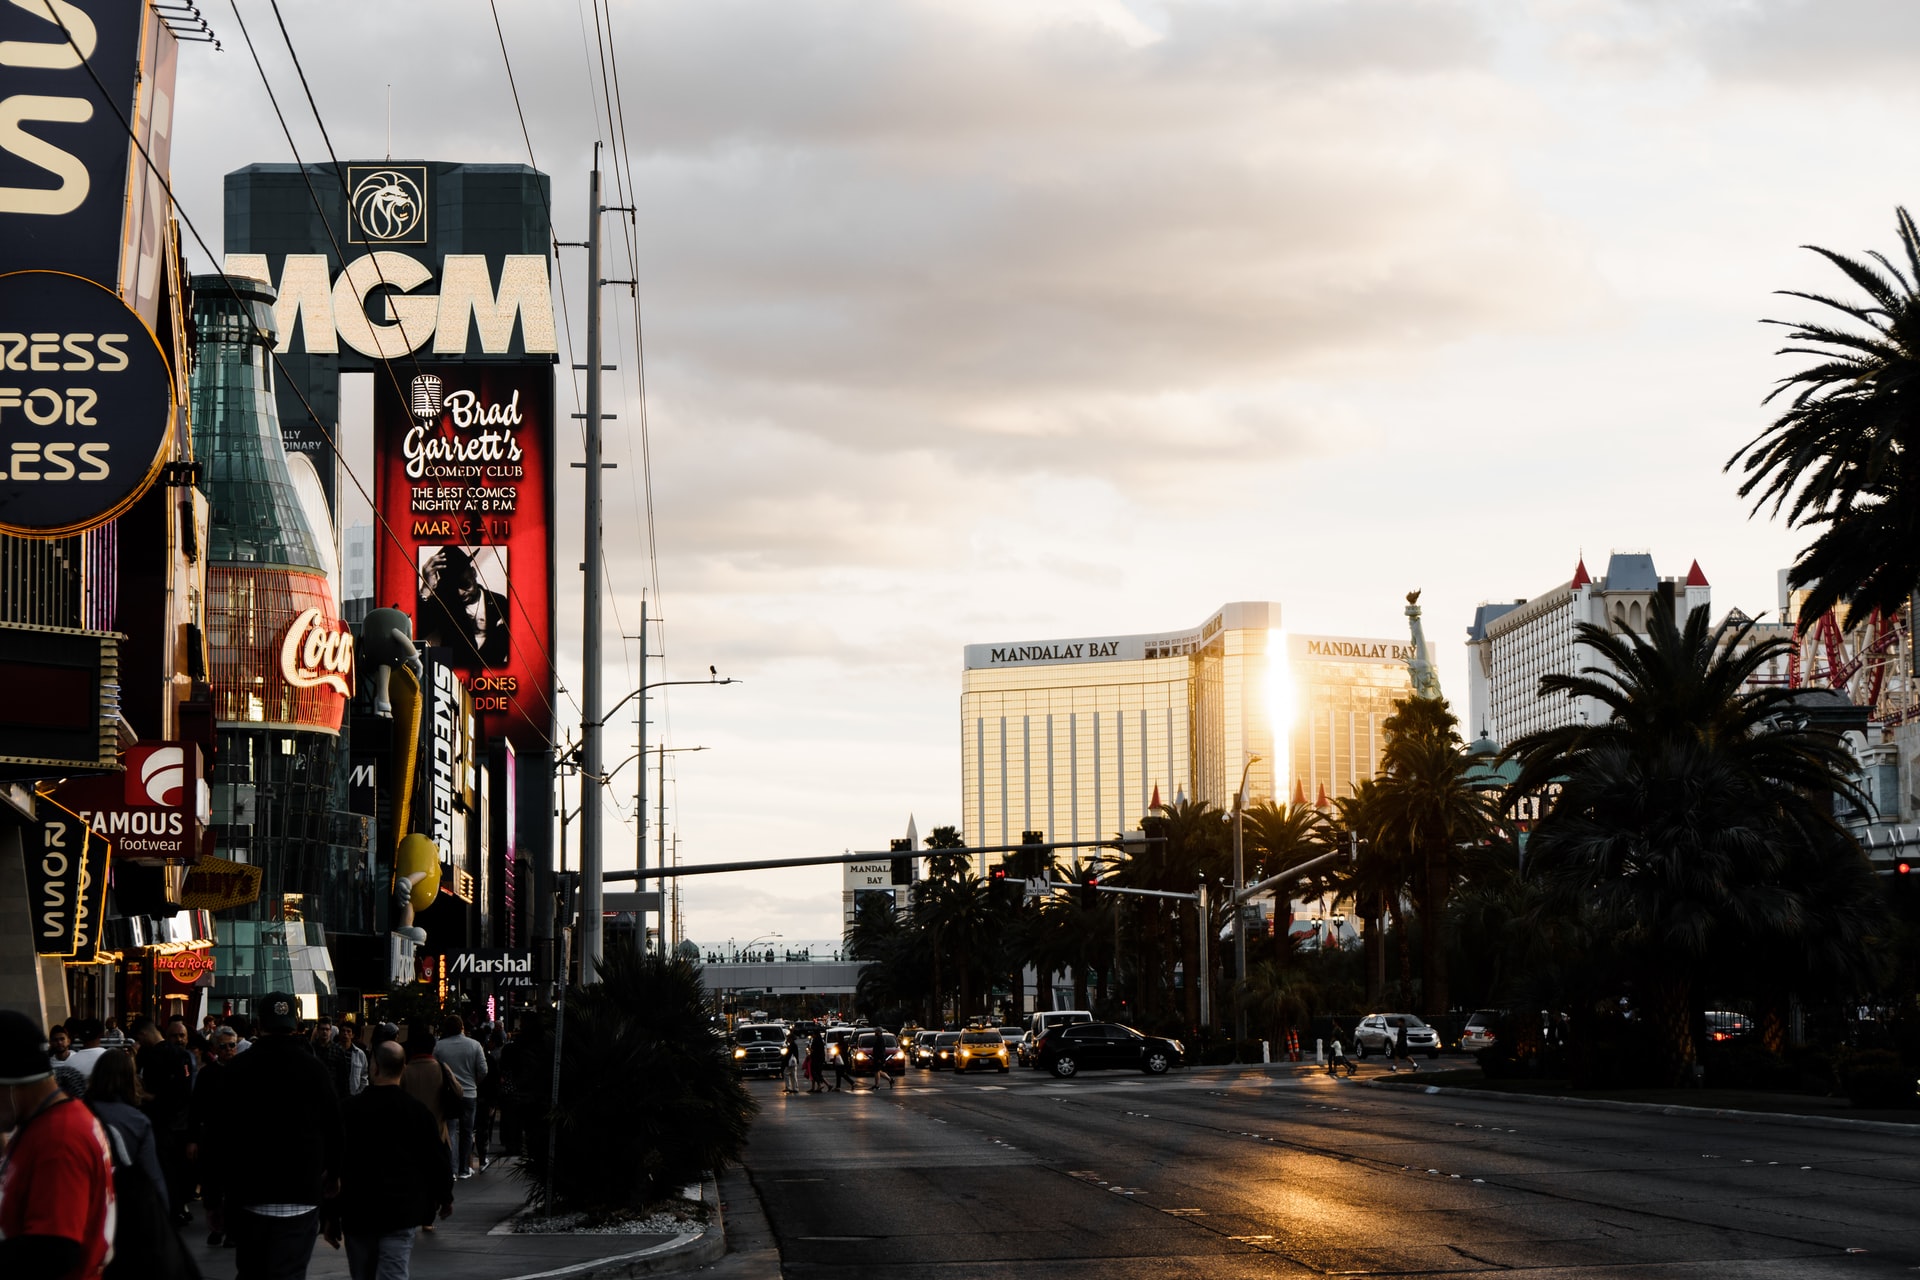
pixel 1224 1174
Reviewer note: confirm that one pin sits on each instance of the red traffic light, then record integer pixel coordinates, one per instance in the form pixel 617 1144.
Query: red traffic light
pixel 1904 868
pixel 999 873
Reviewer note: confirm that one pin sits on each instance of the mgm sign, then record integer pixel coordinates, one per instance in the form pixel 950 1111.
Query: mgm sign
pixel 401 261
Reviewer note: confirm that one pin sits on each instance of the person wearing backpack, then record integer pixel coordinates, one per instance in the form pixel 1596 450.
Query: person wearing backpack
pixel 146 1245
pixel 56 1171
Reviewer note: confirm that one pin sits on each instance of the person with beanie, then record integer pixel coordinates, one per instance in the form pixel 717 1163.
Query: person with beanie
pixel 56 1171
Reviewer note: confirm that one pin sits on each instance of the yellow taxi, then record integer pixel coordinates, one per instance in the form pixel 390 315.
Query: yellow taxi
pixel 982 1047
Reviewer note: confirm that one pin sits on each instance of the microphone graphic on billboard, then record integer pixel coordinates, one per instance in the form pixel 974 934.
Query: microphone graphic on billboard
pixel 429 396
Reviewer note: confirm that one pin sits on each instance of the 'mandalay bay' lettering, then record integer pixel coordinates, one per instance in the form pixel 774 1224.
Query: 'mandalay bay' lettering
pixel 1085 650
pixel 1374 650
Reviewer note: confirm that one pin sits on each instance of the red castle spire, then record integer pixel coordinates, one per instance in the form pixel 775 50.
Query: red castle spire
pixel 1695 578
pixel 1581 577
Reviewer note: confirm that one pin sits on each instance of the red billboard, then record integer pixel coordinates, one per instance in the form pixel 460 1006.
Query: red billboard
pixel 463 534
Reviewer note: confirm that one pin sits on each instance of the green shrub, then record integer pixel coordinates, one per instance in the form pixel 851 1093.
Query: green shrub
pixel 1746 1064
pixel 649 1098
pixel 1878 1079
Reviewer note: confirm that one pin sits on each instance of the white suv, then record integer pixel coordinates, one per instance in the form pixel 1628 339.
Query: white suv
pixel 1376 1033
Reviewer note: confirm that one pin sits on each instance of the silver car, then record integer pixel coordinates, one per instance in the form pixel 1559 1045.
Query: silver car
pixel 1376 1033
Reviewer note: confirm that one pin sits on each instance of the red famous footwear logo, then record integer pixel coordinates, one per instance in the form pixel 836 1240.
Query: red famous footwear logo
pixel 157 776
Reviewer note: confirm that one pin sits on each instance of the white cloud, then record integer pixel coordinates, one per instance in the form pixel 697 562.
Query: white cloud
pixel 977 321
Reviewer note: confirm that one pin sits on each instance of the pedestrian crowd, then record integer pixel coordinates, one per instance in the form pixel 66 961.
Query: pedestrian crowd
pixel 806 1055
pixel 285 1132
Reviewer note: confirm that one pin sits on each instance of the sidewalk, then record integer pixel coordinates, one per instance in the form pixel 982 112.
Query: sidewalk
pixel 459 1248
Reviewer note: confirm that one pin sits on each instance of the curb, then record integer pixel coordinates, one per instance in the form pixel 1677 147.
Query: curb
pixel 1659 1109
pixel 690 1249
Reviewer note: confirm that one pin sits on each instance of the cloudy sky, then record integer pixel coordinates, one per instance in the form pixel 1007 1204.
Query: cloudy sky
pixel 1014 319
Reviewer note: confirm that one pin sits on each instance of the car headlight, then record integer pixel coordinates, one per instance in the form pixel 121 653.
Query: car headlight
pixel 739 1053
pixel 1179 1048
pixel 861 1055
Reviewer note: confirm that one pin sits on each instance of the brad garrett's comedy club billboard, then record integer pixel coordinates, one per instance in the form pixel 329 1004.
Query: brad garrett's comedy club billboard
pixel 463 458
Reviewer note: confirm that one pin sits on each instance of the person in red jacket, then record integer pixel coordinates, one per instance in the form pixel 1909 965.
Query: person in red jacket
pixel 56 1169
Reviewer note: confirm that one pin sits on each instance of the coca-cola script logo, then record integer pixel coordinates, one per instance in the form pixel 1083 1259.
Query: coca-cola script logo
pixel 318 651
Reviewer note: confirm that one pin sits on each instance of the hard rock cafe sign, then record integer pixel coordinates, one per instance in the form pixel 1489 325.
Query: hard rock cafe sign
pixel 317 651
pixel 185 968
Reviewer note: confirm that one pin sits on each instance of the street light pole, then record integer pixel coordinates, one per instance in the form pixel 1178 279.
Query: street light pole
pixel 1239 911
pixel 660 801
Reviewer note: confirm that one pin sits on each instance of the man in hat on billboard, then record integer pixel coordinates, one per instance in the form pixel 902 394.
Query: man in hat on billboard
pixel 273 1149
pixel 56 1176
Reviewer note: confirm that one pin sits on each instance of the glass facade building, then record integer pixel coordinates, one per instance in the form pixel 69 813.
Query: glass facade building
pixel 1344 688
pixel 1075 737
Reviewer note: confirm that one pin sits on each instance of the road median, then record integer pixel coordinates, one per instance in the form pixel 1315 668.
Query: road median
pixel 1748 1114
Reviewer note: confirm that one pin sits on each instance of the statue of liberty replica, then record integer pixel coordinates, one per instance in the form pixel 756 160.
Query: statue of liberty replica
pixel 1426 680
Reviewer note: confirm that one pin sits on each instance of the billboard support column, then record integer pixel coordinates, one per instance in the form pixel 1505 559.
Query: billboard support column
pixel 590 761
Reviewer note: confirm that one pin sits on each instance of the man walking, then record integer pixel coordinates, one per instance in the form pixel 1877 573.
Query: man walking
pixel 273 1148
pixel 463 1056
pixel 334 1056
pixel 204 1106
pixel 88 1033
pixel 166 1078
pixel 56 1182
pixel 395 1176
pixel 356 1059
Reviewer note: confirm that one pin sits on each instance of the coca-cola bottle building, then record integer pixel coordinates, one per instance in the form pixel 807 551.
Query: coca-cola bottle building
pixel 282 668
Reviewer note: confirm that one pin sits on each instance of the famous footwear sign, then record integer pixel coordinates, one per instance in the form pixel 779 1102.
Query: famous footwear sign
pixel 156 810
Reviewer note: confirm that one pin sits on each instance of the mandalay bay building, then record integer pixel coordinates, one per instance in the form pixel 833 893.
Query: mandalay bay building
pixel 1075 738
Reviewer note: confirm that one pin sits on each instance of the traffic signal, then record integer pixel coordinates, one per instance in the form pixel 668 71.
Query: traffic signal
pixel 1000 882
pixel 902 866
pixel 1032 862
pixel 1089 890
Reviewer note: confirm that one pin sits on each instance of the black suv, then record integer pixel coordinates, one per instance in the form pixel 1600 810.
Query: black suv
pixel 757 1048
pixel 1092 1046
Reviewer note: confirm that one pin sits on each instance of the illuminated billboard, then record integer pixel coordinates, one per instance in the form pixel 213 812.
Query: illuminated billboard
pixel 463 500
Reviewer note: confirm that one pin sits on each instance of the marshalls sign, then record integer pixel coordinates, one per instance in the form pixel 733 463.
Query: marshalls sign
pixel 506 968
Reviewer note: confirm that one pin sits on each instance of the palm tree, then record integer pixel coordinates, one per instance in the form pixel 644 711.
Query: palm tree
pixel 1377 882
pixel 1844 457
pixel 960 914
pixel 1277 837
pixel 1426 805
pixel 1279 996
pixel 1697 818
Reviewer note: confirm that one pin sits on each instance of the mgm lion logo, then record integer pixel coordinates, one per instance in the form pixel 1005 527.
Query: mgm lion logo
pixel 389 205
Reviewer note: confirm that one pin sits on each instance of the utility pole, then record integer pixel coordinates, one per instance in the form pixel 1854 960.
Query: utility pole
pixel 1206 967
pixel 591 919
pixel 660 800
pixel 640 787
pixel 1239 911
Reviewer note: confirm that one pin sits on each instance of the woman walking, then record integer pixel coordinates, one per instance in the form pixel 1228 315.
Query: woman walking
pixel 1400 1050
pixel 817 1062
pixel 790 1062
